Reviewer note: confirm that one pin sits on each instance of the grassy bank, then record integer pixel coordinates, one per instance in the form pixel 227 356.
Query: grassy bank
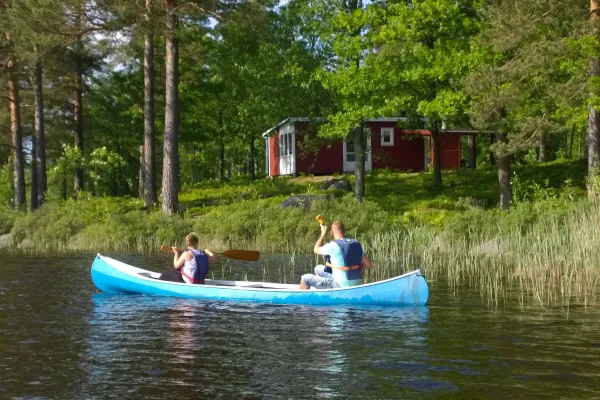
pixel 544 248
pixel 237 214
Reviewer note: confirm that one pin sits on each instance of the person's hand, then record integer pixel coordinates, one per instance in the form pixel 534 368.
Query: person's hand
pixel 210 253
pixel 323 230
pixel 175 250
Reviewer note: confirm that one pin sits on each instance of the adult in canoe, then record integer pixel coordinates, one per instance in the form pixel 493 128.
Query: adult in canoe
pixel 344 257
pixel 190 265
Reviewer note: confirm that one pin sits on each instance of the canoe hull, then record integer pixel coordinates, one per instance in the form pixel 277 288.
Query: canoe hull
pixel 112 276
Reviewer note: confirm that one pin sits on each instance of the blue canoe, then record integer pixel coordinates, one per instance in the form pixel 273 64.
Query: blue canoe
pixel 112 276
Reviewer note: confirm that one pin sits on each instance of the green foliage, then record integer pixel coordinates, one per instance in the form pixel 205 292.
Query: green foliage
pixel 94 224
pixel 530 71
pixel 105 167
pixel 7 219
pixel 239 214
pixel 270 227
pixel 6 186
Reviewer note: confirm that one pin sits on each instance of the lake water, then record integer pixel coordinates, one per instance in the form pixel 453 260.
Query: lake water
pixel 62 339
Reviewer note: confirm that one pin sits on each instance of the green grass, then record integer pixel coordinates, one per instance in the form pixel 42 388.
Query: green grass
pixel 239 214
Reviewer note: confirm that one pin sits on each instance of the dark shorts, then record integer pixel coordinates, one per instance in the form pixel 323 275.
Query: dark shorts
pixel 171 275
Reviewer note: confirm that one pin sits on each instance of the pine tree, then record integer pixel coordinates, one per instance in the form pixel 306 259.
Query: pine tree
pixel 170 186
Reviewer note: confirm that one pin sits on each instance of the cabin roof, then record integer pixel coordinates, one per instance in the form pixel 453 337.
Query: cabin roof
pixel 464 130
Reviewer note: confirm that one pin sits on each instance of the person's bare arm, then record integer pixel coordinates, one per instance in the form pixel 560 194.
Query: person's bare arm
pixel 319 244
pixel 365 262
pixel 180 258
pixel 212 257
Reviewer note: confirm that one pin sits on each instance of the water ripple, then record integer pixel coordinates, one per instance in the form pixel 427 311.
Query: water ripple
pixel 61 339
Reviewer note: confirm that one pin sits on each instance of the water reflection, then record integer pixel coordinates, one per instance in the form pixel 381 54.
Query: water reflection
pixel 61 339
pixel 258 348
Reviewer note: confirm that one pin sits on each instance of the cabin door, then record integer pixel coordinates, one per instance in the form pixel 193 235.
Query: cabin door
pixel 287 149
pixel 350 156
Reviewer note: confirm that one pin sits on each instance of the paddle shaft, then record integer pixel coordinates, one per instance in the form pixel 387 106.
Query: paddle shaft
pixel 246 255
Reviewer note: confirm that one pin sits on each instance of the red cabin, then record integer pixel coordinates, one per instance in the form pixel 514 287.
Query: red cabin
pixel 289 149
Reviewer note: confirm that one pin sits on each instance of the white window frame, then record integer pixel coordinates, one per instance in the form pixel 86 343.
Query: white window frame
pixel 348 166
pixel 389 131
pixel 287 149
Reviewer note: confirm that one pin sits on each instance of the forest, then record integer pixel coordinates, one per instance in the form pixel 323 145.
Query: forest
pixel 147 106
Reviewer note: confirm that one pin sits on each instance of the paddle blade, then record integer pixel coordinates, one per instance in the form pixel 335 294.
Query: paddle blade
pixel 246 255
pixel 319 219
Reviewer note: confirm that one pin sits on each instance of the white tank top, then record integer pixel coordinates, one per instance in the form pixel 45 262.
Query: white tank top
pixel 189 268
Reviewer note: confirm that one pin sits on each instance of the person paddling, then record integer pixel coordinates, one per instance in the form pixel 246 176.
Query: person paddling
pixel 191 265
pixel 345 257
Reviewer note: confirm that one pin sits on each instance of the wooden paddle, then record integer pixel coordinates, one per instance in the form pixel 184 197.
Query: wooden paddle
pixel 246 255
pixel 319 219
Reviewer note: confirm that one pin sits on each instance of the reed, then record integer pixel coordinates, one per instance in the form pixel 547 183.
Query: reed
pixel 553 262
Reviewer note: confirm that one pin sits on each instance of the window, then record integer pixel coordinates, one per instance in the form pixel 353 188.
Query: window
pixel 285 144
pixel 387 136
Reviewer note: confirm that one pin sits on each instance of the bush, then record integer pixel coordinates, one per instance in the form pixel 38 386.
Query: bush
pixel 7 220
pixel 267 226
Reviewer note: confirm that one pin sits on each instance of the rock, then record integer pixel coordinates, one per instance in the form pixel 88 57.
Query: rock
pixel 303 200
pixel 479 203
pixel 6 240
pixel 25 244
pixel 440 243
pixel 338 184
pixel 491 247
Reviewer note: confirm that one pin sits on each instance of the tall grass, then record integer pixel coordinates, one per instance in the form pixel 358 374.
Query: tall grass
pixel 555 261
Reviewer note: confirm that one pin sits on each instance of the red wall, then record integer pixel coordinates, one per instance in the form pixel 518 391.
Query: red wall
pixel 274 154
pixel 450 148
pixel 327 161
pixel 407 153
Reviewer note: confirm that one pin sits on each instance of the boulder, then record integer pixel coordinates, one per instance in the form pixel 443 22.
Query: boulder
pixel 6 240
pixel 440 243
pixel 303 200
pixel 25 244
pixel 338 184
pixel 491 247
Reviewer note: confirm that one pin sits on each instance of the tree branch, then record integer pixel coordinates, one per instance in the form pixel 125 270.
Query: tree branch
pixel 198 9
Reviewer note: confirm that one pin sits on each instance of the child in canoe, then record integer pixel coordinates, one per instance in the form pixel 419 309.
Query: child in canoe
pixel 190 265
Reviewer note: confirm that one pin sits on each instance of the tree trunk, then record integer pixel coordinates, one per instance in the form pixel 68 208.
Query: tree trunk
pixel 142 178
pixel 593 129
pixel 492 157
pixel 437 157
pixel 191 162
pixel 504 175
pixel 571 139
pixel 63 188
pixel 359 164
pixel 542 154
pixel 472 145
pixel 149 162
pixel 251 169
pixel 33 204
pixel 15 128
pixel 78 118
pixel 170 157
pixel 221 160
pixel 592 147
pixel 40 135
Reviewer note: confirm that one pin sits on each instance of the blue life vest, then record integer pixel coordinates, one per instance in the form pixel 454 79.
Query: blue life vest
pixel 352 252
pixel 201 270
